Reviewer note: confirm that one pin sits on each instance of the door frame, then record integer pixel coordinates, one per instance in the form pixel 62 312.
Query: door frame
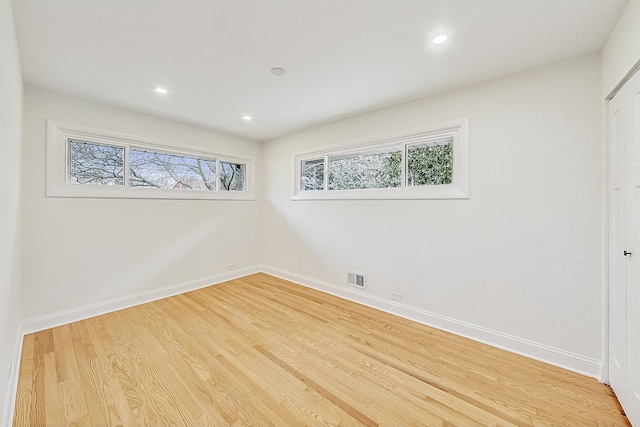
pixel 605 231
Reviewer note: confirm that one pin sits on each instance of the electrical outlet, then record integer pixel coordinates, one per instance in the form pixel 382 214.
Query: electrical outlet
pixel 230 267
pixel 396 296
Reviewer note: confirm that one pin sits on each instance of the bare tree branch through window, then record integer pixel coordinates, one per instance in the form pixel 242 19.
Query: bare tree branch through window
pixel 101 164
pixel 95 163
pixel 152 169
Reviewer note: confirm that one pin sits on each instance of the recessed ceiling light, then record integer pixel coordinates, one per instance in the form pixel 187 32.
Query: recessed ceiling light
pixel 439 39
pixel 277 71
pixel 247 118
pixel 161 90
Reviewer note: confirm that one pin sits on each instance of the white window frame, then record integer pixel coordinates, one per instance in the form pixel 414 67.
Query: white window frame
pixel 58 184
pixel 458 189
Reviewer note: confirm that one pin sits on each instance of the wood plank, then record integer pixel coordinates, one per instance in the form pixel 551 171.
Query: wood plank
pixel 263 351
pixel 42 341
pixel 22 415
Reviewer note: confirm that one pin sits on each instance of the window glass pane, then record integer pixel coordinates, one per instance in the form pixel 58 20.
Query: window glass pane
pixel 232 176
pixel 312 175
pixel 373 169
pixel 97 164
pixel 160 170
pixel 430 163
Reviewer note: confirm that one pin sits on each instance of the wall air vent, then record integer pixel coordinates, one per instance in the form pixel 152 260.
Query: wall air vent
pixel 357 280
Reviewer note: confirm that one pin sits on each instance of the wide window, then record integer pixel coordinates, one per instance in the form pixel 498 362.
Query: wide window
pixel 428 164
pixel 83 162
pixel 366 170
pixel 153 169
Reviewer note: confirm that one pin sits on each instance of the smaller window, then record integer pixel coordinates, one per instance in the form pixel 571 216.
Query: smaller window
pixel 312 175
pixel 429 164
pixel 95 164
pixel 232 176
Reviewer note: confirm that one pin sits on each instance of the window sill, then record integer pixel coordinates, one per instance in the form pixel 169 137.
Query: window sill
pixel 76 190
pixel 439 192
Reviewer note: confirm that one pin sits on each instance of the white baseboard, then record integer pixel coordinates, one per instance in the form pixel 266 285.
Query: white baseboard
pixel 541 352
pixel 603 373
pixel 12 385
pixel 92 310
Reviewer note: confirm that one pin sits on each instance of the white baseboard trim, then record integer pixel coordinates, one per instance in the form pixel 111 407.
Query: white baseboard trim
pixel 541 352
pixel 12 386
pixel 603 373
pixel 92 310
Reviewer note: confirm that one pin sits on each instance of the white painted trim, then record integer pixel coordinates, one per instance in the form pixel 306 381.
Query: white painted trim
pixel 634 69
pixel 12 386
pixel 603 377
pixel 92 310
pixel 541 352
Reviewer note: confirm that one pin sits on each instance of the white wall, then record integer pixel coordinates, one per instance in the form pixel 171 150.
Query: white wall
pixel 78 252
pixel 10 139
pixel 622 50
pixel 521 257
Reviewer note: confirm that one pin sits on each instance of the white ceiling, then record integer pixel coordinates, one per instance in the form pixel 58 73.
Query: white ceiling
pixel 343 57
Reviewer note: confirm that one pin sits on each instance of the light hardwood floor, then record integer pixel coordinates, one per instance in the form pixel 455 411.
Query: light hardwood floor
pixel 263 351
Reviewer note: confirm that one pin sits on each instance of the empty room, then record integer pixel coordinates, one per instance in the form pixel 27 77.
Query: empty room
pixel 322 212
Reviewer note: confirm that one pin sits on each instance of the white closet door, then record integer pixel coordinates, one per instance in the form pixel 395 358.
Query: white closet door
pixel 624 201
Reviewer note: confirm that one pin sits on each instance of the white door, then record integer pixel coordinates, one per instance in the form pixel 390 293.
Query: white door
pixel 618 244
pixel 624 202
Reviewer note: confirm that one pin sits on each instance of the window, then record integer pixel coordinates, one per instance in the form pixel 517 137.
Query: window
pixel 154 169
pixel 232 176
pixel 84 162
pixel 428 164
pixel 365 170
pixel 95 164
pixel 312 175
